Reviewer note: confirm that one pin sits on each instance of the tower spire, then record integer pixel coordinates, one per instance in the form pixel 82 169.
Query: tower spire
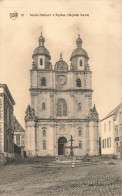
pixel 61 58
pixel 79 42
pixel 78 30
pixel 41 40
pixel 41 30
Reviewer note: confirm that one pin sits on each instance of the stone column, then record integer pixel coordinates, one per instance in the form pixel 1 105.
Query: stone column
pixel 27 137
pixel 91 138
pixel 33 139
pixel 51 105
pixel 72 102
pixel 36 139
pixel 96 139
pixel 87 139
pixel 56 140
pixel 34 102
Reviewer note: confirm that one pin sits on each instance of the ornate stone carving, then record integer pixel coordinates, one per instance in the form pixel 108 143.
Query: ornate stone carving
pixel 61 126
pixel 72 125
pixel 48 66
pixel 51 95
pixel 93 113
pixel 30 113
pixel 53 125
pixel 88 95
pixel 72 94
pixel 33 65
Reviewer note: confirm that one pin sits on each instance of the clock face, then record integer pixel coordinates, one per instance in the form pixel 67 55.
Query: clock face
pixel 61 79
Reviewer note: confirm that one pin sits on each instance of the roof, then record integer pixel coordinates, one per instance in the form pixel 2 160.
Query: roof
pixel 41 50
pixel 17 126
pixel 79 52
pixel 114 112
pixel 8 92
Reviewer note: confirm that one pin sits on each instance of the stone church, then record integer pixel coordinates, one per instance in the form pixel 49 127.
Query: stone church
pixel 61 105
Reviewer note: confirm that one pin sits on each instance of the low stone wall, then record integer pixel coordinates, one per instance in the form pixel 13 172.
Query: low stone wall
pixel 5 157
pixel 109 156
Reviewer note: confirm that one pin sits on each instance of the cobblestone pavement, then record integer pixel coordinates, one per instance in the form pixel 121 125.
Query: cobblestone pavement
pixel 39 179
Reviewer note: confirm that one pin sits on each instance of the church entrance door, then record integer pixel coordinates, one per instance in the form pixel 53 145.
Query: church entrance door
pixel 61 145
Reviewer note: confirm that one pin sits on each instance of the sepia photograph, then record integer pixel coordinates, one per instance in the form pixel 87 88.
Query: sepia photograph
pixel 60 98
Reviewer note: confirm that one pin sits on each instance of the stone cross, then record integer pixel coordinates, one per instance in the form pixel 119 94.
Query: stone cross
pixel 71 146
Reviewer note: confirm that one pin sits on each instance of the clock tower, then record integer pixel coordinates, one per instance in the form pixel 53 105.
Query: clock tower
pixel 61 105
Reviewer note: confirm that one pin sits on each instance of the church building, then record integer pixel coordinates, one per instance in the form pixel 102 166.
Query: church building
pixel 61 105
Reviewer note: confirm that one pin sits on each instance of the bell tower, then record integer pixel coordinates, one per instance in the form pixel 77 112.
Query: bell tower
pixel 41 79
pixel 79 58
pixel 41 56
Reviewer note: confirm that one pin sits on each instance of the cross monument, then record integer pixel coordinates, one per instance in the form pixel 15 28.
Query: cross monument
pixel 71 146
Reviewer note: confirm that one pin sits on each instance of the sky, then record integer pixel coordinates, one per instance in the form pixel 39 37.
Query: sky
pixel 100 32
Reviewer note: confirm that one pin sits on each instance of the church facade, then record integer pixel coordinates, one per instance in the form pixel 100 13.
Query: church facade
pixel 61 105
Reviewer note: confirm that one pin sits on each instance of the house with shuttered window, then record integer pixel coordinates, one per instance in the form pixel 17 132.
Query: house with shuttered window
pixel 111 133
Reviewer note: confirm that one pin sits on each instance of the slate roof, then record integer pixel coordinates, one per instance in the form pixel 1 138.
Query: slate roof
pixel 114 112
pixel 17 126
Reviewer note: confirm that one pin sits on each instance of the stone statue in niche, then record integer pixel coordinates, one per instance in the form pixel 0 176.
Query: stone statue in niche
pixel 79 107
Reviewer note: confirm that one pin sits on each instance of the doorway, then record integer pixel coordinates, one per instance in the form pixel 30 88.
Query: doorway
pixel 61 145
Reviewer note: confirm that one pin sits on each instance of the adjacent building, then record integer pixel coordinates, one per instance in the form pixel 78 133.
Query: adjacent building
pixel 19 134
pixel 6 123
pixel 111 133
pixel 61 105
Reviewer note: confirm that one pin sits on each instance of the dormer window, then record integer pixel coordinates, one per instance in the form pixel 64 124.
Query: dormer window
pixel 41 61
pixel 78 82
pixel 43 82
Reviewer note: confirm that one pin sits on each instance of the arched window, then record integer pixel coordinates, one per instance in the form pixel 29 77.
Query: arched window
pixel 80 144
pixel 80 132
pixel 61 108
pixel 78 82
pixel 41 61
pixel 43 82
pixel 44 132
pixel 81 63
pixel 44 144
pixel 43 106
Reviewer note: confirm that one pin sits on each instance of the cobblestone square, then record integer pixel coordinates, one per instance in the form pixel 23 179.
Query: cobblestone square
pixel 45 178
